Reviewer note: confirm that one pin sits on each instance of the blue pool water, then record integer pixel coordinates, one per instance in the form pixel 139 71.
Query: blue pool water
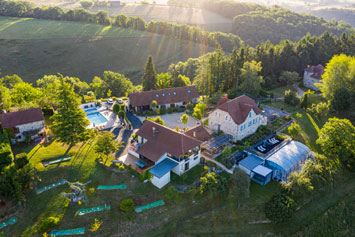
pixel 90 110
pixel 96 118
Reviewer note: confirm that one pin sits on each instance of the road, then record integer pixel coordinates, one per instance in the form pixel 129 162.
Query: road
pixel 126 134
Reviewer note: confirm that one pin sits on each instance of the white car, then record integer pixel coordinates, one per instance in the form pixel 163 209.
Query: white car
pixel 120 101
pixel 110 101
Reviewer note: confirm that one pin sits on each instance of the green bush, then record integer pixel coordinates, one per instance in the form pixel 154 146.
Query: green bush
pixel 86 3
pixel 21 160
pixel 6 155
pixel 171 110
pixel 48 223
pixel 172 194
pixel 116 108
pixel 280 208
pixel 127 205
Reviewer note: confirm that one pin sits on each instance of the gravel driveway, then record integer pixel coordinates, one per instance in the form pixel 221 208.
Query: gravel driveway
pixel 173 120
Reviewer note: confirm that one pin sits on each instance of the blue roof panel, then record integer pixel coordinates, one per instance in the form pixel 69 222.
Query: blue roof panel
pixel 251 161
pixel 163 168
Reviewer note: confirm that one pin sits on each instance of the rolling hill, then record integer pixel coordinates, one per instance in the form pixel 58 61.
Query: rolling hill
pixel 32 48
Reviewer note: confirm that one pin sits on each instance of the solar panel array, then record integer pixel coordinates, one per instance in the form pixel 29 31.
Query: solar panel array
pixel 216 142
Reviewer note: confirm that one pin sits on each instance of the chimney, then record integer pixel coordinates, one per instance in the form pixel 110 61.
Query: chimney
pixel 226 96
pixel 194 133
pixel 155 131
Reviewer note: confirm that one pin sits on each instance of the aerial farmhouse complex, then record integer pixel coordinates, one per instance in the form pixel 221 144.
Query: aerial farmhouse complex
pixel 165 98
pixel 239 117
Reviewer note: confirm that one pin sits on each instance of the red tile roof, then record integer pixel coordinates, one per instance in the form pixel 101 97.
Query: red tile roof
pixel 161 139
pixel 13 119
pixel 316 71
pixel 164 96
pixel 199 133
pixel 239 108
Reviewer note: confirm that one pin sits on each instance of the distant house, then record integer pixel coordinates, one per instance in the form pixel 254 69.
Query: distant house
pixel 239 117
pixel 312 75
pixel 199 132
pixel 24 124
pixel 165 98
pixel 115 3
pixel 163 150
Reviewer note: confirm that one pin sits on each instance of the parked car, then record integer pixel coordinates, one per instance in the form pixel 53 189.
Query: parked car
pixel 120 101
pixel 110 101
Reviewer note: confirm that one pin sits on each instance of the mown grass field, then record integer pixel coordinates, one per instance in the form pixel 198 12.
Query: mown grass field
pixel 33 48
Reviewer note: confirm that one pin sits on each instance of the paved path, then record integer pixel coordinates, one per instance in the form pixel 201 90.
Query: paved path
pixel 299 90
pixel 230 171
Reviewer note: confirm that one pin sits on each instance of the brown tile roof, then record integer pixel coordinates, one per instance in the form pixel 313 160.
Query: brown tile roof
pixel 165 96
pixel 199 133
pixel 239 108
pixel 163 140
pixel 316 71
pixel 13 119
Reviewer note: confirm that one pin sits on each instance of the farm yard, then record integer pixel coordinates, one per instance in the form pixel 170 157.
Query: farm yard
pixel 34 48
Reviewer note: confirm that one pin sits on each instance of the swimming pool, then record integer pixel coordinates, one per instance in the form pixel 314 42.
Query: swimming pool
pixel 90 110
pixel 96 118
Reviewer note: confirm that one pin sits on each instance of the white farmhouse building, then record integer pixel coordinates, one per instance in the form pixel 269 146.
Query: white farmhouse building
pixel 165 98
pixel 239 117
pixel 25 123
pixel 163 150
pixel 313 75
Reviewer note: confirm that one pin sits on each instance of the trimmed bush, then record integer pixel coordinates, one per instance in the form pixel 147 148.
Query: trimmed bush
pixel 48 223
pixel 127 205
pixel 280 208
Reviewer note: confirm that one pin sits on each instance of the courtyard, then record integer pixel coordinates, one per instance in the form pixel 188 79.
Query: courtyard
pixel 173 120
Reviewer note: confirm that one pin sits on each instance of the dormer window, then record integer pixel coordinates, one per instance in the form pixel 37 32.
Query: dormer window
pixel 189 91
pixel 157 95
pixel 169 93
pixel 174 93
pixel 163 94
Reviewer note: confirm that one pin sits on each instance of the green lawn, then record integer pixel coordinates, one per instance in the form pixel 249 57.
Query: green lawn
pixel 33 48
pixel 280 91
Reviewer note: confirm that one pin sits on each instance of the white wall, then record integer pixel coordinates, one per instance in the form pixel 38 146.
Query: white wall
pixel 180 169
pixel 161 182
pixel 227 125
pixel 309 82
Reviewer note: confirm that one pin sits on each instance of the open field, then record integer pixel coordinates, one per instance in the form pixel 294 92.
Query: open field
pixel 32 48
pixel 180 15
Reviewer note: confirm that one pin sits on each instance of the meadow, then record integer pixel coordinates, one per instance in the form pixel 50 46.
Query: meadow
pixel 33 48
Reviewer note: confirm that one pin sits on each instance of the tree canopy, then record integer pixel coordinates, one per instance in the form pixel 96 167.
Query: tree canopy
pixel 69 121
pixel 149 79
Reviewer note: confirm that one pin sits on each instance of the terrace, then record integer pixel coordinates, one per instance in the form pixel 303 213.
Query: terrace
pixel 214 146
pixel 138 164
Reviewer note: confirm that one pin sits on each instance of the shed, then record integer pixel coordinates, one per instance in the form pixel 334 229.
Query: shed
pixel 161 172
pixel 261 175
pixel 249 163
pixel 287 159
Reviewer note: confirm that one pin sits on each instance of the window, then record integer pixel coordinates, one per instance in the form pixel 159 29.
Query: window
pixel 226 117
pixel 157 95
pixel 189 91
pixel 249 114
pixel 174 93
pixel 169 93
pixel 254 121
pixel 249 124
pixel 241 128
pixel 163 94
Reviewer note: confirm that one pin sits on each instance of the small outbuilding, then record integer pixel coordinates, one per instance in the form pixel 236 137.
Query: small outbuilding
pixel 261 174
pixel 161 172
pixel 249 163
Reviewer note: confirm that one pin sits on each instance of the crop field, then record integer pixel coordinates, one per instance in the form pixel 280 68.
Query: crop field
pixel 33 48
